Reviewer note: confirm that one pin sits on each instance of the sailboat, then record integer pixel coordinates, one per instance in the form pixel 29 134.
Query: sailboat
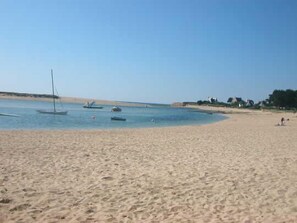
pixel 54 111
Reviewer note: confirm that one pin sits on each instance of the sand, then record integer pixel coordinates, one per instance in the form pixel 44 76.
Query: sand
pixel 243 169
pixel 76 100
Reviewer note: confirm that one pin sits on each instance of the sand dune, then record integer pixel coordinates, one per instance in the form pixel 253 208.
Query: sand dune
pixel 243 169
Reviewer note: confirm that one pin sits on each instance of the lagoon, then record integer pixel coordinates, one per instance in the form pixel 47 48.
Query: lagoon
pixel 81 118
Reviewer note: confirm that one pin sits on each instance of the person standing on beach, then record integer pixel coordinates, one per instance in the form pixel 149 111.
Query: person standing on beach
pixel 283 121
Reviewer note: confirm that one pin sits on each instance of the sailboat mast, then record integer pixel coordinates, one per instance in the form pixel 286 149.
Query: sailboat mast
pixel 53 90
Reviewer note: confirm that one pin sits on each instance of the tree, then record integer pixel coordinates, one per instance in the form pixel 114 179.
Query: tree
pixel 284 98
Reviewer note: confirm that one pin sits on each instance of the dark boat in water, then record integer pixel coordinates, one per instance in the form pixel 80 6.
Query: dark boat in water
pixel 92 105
pixel 117 119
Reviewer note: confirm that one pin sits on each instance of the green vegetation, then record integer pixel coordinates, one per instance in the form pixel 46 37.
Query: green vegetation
pixel 215 104
pixel 279 99
pixel 15 94
pixel 286 99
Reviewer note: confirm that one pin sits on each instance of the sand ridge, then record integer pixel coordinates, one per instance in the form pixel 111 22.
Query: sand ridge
pixel 242 169
pixel 76 100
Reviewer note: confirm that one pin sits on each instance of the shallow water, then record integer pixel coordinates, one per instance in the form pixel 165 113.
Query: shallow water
pixel 81 118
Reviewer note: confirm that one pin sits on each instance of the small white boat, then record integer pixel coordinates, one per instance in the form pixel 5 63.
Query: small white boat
pixel 54 111
pixel 116 109
pixel 117 119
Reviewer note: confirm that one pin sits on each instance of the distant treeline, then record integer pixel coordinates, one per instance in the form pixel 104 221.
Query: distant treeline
pixel 216 104
pixel 279 99
pixel 15 94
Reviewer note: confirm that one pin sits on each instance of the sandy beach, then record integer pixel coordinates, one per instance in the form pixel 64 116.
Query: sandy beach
pixel 242 169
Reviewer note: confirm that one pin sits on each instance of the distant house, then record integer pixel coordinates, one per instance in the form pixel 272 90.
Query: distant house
pixel 212 100
pixel 263 103
pixel 234 100
pixel 249 103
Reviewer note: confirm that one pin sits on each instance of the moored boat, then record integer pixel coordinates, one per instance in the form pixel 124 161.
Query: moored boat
pixel 118 119
pixel 92 105
pixel 9 115
pixel 54 111
pixel 116 109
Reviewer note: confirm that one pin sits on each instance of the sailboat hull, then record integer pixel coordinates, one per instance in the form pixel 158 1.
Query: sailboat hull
pixel 9 115
pixel 52 112
pixel 93 107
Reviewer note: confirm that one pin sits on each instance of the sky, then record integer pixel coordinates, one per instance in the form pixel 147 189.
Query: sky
pixel 160 51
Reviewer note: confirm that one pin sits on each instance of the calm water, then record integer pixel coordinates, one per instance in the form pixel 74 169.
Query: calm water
pixel 80 118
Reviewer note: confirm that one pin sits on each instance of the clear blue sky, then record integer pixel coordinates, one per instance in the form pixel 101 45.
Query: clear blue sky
pixel 149 50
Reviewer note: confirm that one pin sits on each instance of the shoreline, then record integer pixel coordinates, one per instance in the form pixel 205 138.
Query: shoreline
pixel 76 101
pixel 224 110
pixel 241 169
